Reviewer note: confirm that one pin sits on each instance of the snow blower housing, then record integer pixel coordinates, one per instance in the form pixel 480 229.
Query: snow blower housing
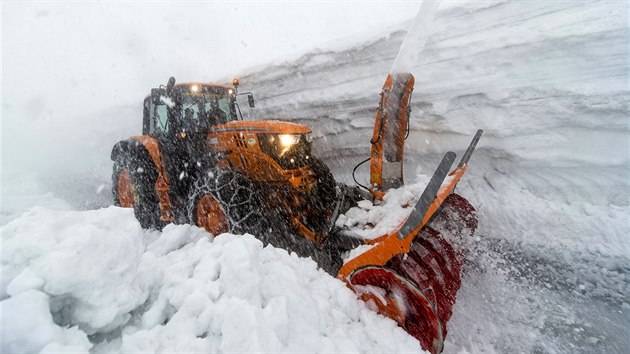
pixel 198 162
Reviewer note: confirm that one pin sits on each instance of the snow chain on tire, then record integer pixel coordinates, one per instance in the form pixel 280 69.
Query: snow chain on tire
pixel 324 195
pixel 237 196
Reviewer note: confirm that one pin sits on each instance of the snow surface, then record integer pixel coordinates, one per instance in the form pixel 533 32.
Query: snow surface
pixel 94 280
pixel 548 83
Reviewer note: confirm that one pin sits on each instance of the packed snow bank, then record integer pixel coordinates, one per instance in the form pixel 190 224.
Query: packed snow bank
pixel 94 280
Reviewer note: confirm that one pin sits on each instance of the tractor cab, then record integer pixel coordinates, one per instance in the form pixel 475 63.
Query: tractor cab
pixel 189 108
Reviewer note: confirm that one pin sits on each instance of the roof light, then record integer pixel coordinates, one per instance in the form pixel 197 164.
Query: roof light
pixel 194 88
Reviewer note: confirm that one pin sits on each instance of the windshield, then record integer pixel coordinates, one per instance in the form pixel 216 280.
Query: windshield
pixel 204 107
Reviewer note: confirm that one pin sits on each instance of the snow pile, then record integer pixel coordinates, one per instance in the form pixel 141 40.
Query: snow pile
pixel 93 280
pixel 370 220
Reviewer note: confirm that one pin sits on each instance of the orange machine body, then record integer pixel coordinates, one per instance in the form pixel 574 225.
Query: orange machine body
pixel 239 143
pixel 242 140
pixel 390 130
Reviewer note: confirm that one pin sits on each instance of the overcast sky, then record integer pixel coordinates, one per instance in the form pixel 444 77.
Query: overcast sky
pixel 208 38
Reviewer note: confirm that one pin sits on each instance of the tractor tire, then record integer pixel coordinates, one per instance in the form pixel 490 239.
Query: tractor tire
pixel 226 201
pixel 133 186
pixel 324 192
pixel 323 196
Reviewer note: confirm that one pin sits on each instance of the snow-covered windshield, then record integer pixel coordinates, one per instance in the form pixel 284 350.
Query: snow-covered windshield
pixel 205 107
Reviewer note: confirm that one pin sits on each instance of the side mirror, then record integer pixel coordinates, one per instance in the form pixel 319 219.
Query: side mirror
pixel 170 85
pixel 250 99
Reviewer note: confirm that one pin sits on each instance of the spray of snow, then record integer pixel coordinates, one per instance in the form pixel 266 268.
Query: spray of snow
pixel 416 38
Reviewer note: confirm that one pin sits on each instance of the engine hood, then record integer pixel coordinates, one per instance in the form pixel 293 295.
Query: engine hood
pixel 262 126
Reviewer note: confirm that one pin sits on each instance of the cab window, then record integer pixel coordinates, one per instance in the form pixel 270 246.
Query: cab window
pixel 159 123
pixel 192 118
pixel 201 110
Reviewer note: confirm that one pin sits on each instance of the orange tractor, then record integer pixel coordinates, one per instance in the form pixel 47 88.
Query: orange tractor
pixel 198 162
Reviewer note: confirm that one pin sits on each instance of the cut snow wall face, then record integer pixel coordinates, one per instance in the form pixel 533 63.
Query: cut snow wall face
pixel 550 93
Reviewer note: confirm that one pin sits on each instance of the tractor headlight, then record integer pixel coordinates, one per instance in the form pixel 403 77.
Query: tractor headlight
pixel 288 140
pixel 290 151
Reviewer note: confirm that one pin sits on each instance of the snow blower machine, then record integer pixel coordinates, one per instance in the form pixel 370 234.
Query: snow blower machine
pixel 197 161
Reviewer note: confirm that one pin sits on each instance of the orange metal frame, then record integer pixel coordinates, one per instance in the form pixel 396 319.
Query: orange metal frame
pixel 380 125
